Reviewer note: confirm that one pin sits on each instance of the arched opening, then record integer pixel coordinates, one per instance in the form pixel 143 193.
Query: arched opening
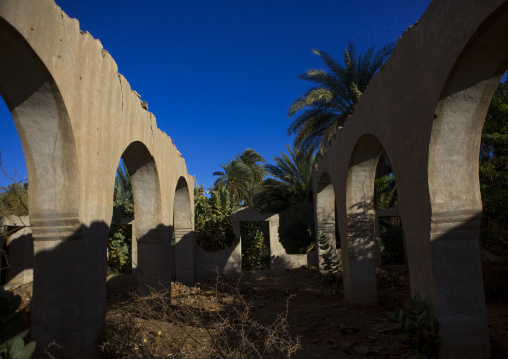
pixel 454 188
pixel 389 232
pixel 147 249
pixel 183 234
pixel 121 242
pixel 255 240
pixel 326 219
pixel 16 247
pixel 49 148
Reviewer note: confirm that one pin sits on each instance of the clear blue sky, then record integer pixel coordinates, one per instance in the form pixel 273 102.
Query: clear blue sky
pixel 220 75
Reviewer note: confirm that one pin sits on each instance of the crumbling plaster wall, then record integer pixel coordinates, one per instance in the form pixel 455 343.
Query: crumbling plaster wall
pixel 76 115
pixel 425 107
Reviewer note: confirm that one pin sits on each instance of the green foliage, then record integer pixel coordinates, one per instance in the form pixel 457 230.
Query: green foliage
pixel 330 263
pixel 120 236
pixel 494 171
pixel 212 224
pixel 255 251
pixel 292 173
pixel 12 346
pixel 322 109
pixel 289 193
pixel 390 242
pixel 123 201
pixel 419 328
pixel 241 176
pixel 14 200
pixel 296 228
pixel 119 249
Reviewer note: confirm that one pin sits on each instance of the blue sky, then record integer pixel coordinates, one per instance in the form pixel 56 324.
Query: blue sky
pixel 220 75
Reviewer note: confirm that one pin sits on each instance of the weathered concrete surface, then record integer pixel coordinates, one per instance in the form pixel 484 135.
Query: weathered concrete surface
pixel 76 117
pixel 426 107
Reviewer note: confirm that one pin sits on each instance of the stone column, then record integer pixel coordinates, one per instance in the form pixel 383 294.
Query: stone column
pixel 69 284
pixel 150 254
pixel 184 255
pixel 359 262
pixel 458 283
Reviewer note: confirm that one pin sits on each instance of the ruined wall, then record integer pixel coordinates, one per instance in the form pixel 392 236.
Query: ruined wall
pixel 426 108
pixel 76 117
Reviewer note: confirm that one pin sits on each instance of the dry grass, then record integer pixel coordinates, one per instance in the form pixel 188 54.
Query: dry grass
pixel 209 322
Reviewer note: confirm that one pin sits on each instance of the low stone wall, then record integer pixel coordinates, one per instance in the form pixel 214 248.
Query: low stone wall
pixel 229 261
pixel 20 249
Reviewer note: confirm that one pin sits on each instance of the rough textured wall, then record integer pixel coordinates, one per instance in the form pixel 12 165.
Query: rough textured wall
pixel 426 108
pixel 76 117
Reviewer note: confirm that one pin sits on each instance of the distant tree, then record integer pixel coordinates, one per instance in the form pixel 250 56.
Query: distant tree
pixel 14 200
pixel 494 170
pixel 241 176
pixel 291 181
pixel 321 110
pixel 212 218
pixel 289 192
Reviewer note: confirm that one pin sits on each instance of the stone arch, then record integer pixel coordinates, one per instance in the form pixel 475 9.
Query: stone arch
pixel 43 125
pixel 325 213
pixel 148 254
pixel 358 249
pixel 183 224
pixel 454 187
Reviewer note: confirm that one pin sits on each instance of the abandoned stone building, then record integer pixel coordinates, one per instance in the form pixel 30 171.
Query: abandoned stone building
pixel 425 108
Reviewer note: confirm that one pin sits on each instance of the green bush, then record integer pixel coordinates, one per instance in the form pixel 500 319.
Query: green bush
pixel 212 225
pixel 296 228
pixel 12 346
pixel 119 249
pixel 419 328
pixel 255 246
pixel 330 263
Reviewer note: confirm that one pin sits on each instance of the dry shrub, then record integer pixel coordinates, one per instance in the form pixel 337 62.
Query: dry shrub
pixel 202 323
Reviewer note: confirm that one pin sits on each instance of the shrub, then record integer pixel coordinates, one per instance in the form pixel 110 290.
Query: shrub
pixel 419 328
pixel 255 247
pixel 12 345
pixel 212 224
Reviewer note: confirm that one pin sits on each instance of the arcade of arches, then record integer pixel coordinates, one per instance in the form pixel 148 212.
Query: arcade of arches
pixel 425 107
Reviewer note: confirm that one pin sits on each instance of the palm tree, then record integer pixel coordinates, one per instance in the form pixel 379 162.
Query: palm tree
pixel 242 175
pixel 235 176
pixel 289 192
pixel 291 183
pixel 123 201
pixel 250 158
pixel 324 108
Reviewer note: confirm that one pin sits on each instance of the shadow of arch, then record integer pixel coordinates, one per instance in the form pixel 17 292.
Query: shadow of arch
pixel 183 223
pixel 454 187
pixel 358 248
pixel 147 251
pixel 43 124
pixel 326 216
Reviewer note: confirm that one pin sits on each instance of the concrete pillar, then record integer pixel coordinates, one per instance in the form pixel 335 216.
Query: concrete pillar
pixel 150 254
pixel 359 262
pixel 184 255
pixel 69 287
pixel 458 283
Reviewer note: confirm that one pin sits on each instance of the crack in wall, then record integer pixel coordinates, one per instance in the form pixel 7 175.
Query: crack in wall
pixel 121 90
pixel 66 41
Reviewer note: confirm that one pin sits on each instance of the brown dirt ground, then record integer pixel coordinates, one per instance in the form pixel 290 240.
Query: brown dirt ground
pixel 326 326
